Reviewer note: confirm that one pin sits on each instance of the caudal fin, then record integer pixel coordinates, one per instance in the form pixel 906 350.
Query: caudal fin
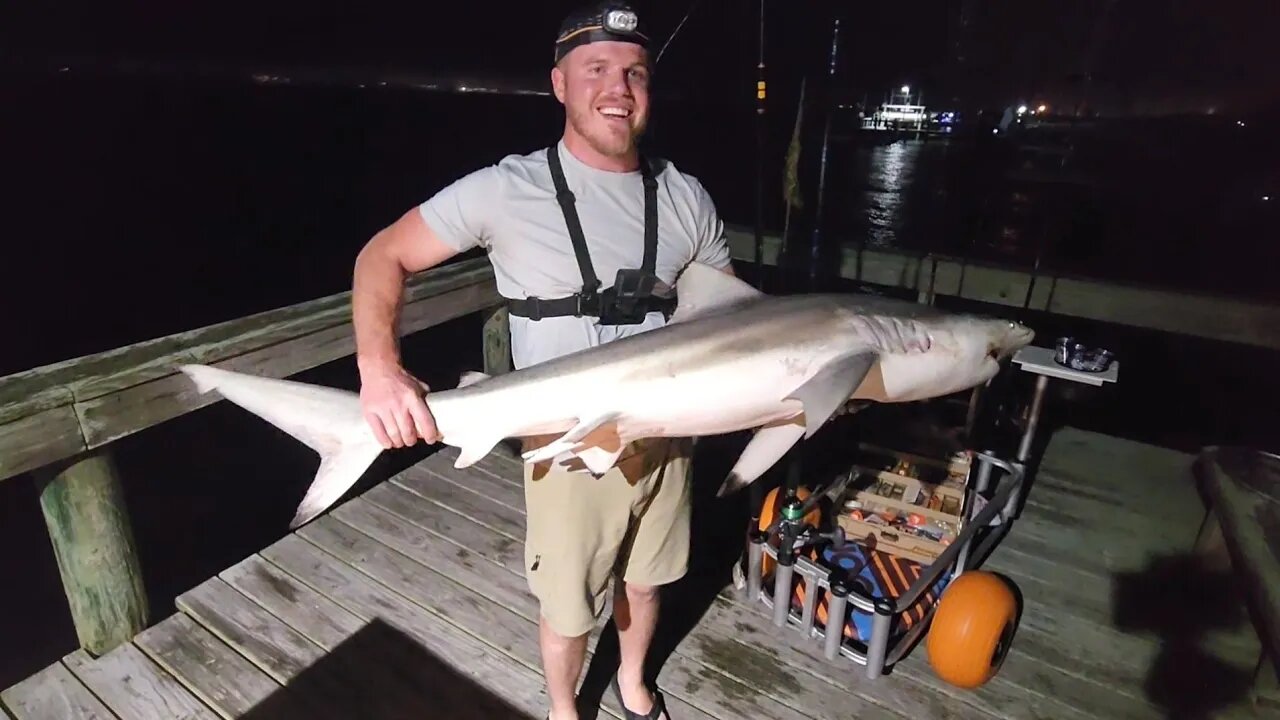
pixel 327 420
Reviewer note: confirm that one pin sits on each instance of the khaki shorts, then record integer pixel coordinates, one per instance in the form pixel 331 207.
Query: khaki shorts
pixel 631 523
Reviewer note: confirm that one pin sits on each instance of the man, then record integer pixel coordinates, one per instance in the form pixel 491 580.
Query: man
pixel 615 218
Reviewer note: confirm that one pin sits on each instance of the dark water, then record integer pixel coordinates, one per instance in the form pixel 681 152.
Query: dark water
pixel 139 208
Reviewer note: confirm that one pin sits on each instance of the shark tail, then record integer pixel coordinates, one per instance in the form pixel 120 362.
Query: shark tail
pixel 327 420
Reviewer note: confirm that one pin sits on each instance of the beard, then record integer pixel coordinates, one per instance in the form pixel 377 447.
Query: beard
pixel 605 137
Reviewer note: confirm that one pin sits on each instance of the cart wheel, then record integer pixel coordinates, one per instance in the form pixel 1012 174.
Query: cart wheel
pixel 769 513
pixel 972 629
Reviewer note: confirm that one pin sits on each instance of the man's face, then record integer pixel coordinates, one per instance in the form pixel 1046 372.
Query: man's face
pixel 605 90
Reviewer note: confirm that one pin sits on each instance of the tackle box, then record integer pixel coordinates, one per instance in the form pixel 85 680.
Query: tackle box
pixel 904 504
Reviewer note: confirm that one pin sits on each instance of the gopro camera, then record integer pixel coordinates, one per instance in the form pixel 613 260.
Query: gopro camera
pixel 626 303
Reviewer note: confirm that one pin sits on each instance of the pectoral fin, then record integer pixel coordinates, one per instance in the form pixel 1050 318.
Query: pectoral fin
pixel 572 440
pixel 767 446
pixel 831 388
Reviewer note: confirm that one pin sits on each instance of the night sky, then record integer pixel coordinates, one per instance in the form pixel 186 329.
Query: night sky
pixel 1142 54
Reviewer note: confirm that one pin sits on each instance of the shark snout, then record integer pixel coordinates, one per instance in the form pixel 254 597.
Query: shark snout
pixel 1016 337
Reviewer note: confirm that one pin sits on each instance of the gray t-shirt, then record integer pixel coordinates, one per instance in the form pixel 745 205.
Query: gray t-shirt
pixel 510 210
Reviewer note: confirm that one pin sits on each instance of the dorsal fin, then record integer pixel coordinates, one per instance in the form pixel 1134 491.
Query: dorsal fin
pixel 702 290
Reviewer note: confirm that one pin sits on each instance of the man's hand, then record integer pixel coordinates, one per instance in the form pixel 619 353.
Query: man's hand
pixel 391 398
pixel 395 407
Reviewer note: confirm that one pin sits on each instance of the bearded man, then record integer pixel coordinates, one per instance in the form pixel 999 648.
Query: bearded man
pixel 558 224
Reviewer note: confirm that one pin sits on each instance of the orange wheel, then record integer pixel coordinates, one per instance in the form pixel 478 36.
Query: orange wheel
pixel 769 513
pixel 972 629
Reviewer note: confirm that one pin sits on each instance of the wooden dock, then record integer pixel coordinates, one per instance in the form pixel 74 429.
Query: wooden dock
pixel 409 601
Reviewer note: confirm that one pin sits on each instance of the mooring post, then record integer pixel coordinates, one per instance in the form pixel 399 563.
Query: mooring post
pixel 84 509
pixel 497 342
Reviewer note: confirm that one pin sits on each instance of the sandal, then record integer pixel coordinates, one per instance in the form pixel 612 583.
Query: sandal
pixel 658 712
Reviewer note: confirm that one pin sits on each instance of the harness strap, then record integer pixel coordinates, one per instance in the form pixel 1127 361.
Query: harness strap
pixel 590 283
pixel 588 301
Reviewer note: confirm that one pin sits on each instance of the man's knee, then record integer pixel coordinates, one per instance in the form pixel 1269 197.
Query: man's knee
pixel 641 593
pixel 553 632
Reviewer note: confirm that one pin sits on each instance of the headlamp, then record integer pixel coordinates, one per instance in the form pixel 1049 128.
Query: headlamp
pixel 621 21
pixel 608 20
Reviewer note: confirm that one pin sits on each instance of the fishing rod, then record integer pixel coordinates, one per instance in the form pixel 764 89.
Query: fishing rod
pixel 693 6
pixel 760 138
pixel 816 242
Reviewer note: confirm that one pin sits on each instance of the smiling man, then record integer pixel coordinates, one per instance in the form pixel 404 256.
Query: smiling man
pixel 585 237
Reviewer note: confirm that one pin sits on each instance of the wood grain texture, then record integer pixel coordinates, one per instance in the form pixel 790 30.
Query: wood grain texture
pixel 88 524
pixel 33 441
pixel 54 694
pixel 492 678
pixel 720 696
pixel 126 410
pixel 136 688
pixel 496 341
pixel 215 673
pixel 276 648
pixel 52 412
pixel 1243 488
pixel 1214 317
pixel 452 596
pixel 333 685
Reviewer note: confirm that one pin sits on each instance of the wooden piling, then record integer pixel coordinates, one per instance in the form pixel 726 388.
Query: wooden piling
pixel 84 509
pixel 497 342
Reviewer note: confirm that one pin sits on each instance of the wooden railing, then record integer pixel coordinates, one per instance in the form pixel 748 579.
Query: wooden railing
pixel 1214 318
pixel 57 422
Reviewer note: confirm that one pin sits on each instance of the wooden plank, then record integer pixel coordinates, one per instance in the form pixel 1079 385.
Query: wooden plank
pixel 1243 487
pixel 498 517
pixel 120 391
pixel 330 686
pixel 88 524
pixel 30 442
pixel 1214 317
pixel 135 688
pixel 350 677
pixel 31 397
pixel 455 594
pixel 139 405
pixel 275 647
pixel 493 678
pixel 54 694
pixel 688 675
pixel 213 672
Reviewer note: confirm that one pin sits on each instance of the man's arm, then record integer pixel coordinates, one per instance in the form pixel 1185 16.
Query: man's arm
pixel 392 397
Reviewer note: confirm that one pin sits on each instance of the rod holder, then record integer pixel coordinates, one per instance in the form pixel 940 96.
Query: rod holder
pixel 755 564
pixel 834 634
pixel 881 623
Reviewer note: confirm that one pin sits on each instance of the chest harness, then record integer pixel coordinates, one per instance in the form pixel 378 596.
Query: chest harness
pixel 631 297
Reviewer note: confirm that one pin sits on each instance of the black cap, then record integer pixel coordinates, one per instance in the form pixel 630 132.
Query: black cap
pixel 608 20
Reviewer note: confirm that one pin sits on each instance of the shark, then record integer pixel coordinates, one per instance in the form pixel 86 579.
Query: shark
pixel 731 358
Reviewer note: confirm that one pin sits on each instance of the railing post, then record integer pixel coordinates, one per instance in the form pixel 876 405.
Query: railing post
pixel 497 341
pixel 84 509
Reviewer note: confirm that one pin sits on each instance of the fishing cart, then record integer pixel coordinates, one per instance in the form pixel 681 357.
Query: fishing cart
pixel 881 554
